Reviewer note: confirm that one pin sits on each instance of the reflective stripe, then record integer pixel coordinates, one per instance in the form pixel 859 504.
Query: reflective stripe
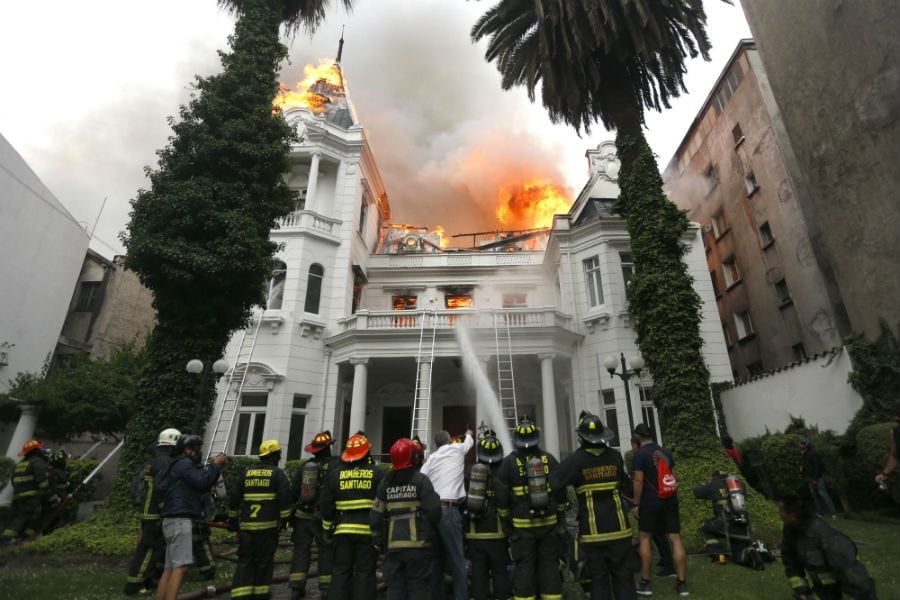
pixel 551 520
pixel 260 590
pixel 23 478
pixel 596 487
pixel 286 513
pixel 551 596
pixel 242 591
pixel 353 528
pixel 363 503
pixel 399 505
pixel 407 544
pixel 621 514
pixel 298 577
pixel 797 582
pixel 524 597
pixel 324 579
pixel 494 535
pixel 503 512
pixel 26 494
pixel 233 513
pixel 519 490
pixel 260 496
pixel 606 537
pixel 258 526
pixel 326 524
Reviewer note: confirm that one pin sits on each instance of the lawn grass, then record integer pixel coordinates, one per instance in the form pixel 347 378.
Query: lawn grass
pixel 85 577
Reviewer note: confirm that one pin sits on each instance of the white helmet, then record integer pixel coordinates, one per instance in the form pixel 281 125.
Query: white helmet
pixel 168 437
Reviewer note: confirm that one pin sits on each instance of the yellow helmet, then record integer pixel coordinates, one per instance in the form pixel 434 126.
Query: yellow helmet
pixel 268 447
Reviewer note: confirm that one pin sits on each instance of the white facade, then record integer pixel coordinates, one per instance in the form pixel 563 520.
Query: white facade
pixel 351 362
pixel 41 251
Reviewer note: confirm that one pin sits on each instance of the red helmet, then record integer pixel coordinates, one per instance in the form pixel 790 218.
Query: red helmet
pixel 357 448
pixel 29 446
pixel 319 442
pixel 403 454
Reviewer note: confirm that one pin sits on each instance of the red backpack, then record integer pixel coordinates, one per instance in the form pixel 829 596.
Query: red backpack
pixel 666 484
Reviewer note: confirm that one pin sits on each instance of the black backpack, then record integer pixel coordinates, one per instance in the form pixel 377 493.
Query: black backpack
pixel 139 486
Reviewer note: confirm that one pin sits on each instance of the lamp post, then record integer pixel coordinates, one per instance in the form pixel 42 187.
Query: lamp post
pixel 637 364
pixel 196 366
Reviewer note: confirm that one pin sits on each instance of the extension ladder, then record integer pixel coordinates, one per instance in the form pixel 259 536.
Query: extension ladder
pixel 421 413
pixel 506 381
pixel 231 401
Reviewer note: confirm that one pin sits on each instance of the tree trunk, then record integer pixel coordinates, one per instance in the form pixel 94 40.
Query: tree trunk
pixel 664 307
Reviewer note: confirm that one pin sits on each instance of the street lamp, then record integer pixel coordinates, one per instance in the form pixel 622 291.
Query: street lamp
pixel 196 366
pixel 637 364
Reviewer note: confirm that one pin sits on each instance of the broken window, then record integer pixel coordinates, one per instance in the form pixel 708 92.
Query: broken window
pixel 276 285
pixel 455 301
pixel 403 302
pixel 515 300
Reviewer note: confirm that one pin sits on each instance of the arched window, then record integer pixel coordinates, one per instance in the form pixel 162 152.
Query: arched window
pixel 314 289
pixel 276 285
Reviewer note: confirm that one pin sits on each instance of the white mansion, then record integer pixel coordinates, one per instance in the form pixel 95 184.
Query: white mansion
pixel 343 346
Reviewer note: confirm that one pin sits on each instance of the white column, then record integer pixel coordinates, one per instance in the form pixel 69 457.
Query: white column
pixel 551 423
pixel 313 181
pixel 358 400
pixel 24 432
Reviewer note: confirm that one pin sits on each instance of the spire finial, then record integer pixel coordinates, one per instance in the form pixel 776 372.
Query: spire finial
pixel 340 47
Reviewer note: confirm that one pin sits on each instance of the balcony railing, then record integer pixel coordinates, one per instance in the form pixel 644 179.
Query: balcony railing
pixel 448 319
pixel 306 219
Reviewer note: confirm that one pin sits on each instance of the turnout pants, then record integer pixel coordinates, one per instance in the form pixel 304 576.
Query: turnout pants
pixel 536 552
pixel 304 532
pixel 203 551
pixel 147 563
pixel 608 564
pixel 490 559
pixel 26 515
pixel 256 555
pixel 353 576
pixel 407 573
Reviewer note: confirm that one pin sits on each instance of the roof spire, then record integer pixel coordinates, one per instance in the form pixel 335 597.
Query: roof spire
pixel 340 47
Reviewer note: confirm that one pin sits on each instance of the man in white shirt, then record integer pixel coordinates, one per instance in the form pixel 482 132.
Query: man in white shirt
pixel 445 468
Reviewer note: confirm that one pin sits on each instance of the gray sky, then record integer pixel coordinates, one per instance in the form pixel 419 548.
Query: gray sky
pixel 87 87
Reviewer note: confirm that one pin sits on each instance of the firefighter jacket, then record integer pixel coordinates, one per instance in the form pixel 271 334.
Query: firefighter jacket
pixel 311 511
pixel 262 499
pixel 406 512
pixel 512 493
pixel 30 478
pixel 159 462
pixel 59 481
pixel 828 557
pixel 716 491
pixel 348 496
pixel 485 525
pixel 598 476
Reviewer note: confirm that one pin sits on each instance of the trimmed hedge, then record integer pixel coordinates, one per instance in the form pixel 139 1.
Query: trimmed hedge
pixel 105 533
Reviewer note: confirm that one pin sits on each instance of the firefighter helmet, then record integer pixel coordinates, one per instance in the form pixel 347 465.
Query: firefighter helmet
pixel 59 458
pixel 319 442
pixel 592 431
pixel 30 446
pixel 357 448
pixel 489 450
pixel 527 434
pixel 269 447
pixel 168 437
pixel 403 454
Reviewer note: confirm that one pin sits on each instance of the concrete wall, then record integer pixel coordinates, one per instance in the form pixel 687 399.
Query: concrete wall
pixel 834 68
pixel 127 314
pixel 816 390
pixel 41 251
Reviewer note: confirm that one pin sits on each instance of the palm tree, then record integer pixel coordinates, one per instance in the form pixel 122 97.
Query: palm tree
pixel 295 14
pixel 610 60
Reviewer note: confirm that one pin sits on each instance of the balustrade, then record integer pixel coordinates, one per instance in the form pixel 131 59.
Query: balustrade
pixel 448 319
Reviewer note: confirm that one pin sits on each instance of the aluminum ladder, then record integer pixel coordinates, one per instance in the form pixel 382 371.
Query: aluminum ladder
pixel 228 409
pixel 506 381
pixel 421 412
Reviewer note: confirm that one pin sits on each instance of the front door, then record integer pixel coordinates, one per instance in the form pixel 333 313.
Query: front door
pixel 396 422
pixel 456 419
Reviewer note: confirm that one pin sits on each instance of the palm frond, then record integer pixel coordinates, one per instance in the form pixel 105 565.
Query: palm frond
pixel 295 14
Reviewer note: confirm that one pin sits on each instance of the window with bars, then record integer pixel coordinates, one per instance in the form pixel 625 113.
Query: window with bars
pixel 593 281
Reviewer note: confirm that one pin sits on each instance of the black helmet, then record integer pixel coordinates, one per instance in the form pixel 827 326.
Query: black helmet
pixel 592 431
pixel 59 458
pixel 489 450
pixel 189 440
pixel 527 435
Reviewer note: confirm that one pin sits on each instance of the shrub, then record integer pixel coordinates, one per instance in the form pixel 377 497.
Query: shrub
pixel 873 443
pixel 692 472
pixel 78 470
pixel 105 533
pixel 233 470
pixel 6 470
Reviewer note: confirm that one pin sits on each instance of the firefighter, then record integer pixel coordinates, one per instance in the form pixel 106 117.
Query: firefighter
pixel 60 486
pixel 810 546
pixel 346 499
pixel 404 517
pixel 528 510
pixel 146 565
pixel 201 540
pixel 307 522
pixel 486 543
pixel 727 534
pixel 597 472
pixel 257 509
pixel 31 488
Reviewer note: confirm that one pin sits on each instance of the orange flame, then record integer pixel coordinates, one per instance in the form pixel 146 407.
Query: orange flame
pixel 441 235
pixel 531 205
pixel 310 92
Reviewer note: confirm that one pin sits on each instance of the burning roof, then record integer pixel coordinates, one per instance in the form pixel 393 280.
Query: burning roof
pixel 322 90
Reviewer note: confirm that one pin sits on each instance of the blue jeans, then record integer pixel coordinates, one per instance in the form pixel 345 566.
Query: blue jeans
pixel 448 555
pixel 820 494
